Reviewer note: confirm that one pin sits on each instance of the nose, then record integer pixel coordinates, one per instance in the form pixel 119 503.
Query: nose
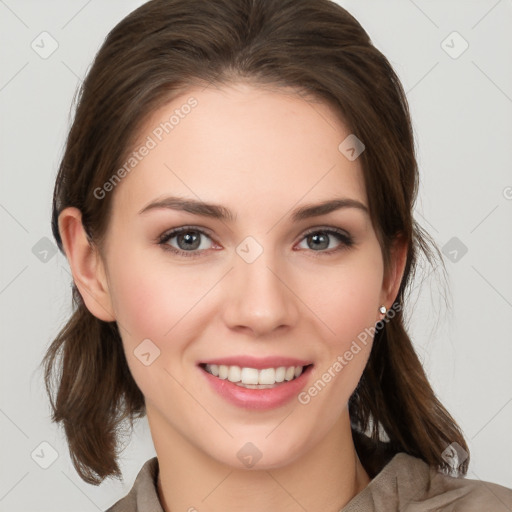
pixel 259 298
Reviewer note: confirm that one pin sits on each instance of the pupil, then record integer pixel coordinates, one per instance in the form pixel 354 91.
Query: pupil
pixel 191 240
pixel 317 238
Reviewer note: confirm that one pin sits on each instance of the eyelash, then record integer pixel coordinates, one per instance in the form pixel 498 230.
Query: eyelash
pixel 344 238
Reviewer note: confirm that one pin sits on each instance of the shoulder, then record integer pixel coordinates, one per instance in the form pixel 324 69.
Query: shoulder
pixel 468 495
pixel 143 495
pixel 407 483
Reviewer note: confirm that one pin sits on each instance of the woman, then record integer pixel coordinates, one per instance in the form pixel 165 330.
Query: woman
pixel 235 202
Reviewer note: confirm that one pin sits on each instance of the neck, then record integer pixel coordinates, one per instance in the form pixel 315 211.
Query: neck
pixel 324 479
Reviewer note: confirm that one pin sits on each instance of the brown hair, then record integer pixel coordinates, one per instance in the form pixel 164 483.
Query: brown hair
pixel 318 48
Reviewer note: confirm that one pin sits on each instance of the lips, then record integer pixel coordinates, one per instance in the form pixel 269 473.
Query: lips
pixel 234 379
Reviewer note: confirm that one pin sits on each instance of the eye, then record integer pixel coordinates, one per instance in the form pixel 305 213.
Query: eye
pixel 188 241
pixel 320 239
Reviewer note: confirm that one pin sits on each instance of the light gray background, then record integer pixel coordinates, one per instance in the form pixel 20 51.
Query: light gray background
pixel 462 114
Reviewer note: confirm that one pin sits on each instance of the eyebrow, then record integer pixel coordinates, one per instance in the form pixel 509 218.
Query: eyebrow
pixel 216 211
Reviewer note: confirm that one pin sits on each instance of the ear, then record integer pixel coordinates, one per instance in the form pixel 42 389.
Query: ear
pixel 86 265
pixel 393 278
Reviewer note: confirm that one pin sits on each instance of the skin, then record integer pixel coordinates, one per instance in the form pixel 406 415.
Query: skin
pixel 261 153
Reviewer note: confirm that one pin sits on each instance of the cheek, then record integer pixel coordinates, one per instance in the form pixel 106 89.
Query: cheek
pixel 151 302
pixel 348 306
pixel 348 302
pixel 149 298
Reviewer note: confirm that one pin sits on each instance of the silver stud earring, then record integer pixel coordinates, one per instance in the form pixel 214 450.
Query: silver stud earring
pixel 383 310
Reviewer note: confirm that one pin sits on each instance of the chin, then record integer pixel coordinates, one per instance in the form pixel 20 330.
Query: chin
pixel 259 452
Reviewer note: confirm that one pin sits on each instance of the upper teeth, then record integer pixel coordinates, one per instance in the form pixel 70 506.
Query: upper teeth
pixel 252 375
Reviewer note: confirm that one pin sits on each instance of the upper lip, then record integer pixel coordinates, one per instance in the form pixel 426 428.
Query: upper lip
pixel 258 363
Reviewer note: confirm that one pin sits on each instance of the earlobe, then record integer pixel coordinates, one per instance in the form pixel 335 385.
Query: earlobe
pixel 86 265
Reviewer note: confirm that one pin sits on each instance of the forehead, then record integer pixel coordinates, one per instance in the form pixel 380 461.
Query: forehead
pixel 241 145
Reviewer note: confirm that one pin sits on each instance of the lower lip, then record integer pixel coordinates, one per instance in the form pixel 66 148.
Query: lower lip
pixel 260 399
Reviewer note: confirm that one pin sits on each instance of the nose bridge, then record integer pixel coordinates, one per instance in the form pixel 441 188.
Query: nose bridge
pixel 258 297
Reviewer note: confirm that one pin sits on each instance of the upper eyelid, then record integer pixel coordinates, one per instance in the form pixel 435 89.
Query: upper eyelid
pixel 327 229
pixel 177 230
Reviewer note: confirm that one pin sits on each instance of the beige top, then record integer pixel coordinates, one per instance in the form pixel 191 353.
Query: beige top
pixel 405 484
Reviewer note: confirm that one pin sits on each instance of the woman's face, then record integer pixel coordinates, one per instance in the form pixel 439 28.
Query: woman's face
pixel 262 287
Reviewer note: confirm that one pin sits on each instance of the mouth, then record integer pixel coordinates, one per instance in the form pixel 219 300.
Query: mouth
pixel 255 378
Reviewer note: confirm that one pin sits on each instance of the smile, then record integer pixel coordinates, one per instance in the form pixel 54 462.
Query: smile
pixel 263 388
pixel 253 378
